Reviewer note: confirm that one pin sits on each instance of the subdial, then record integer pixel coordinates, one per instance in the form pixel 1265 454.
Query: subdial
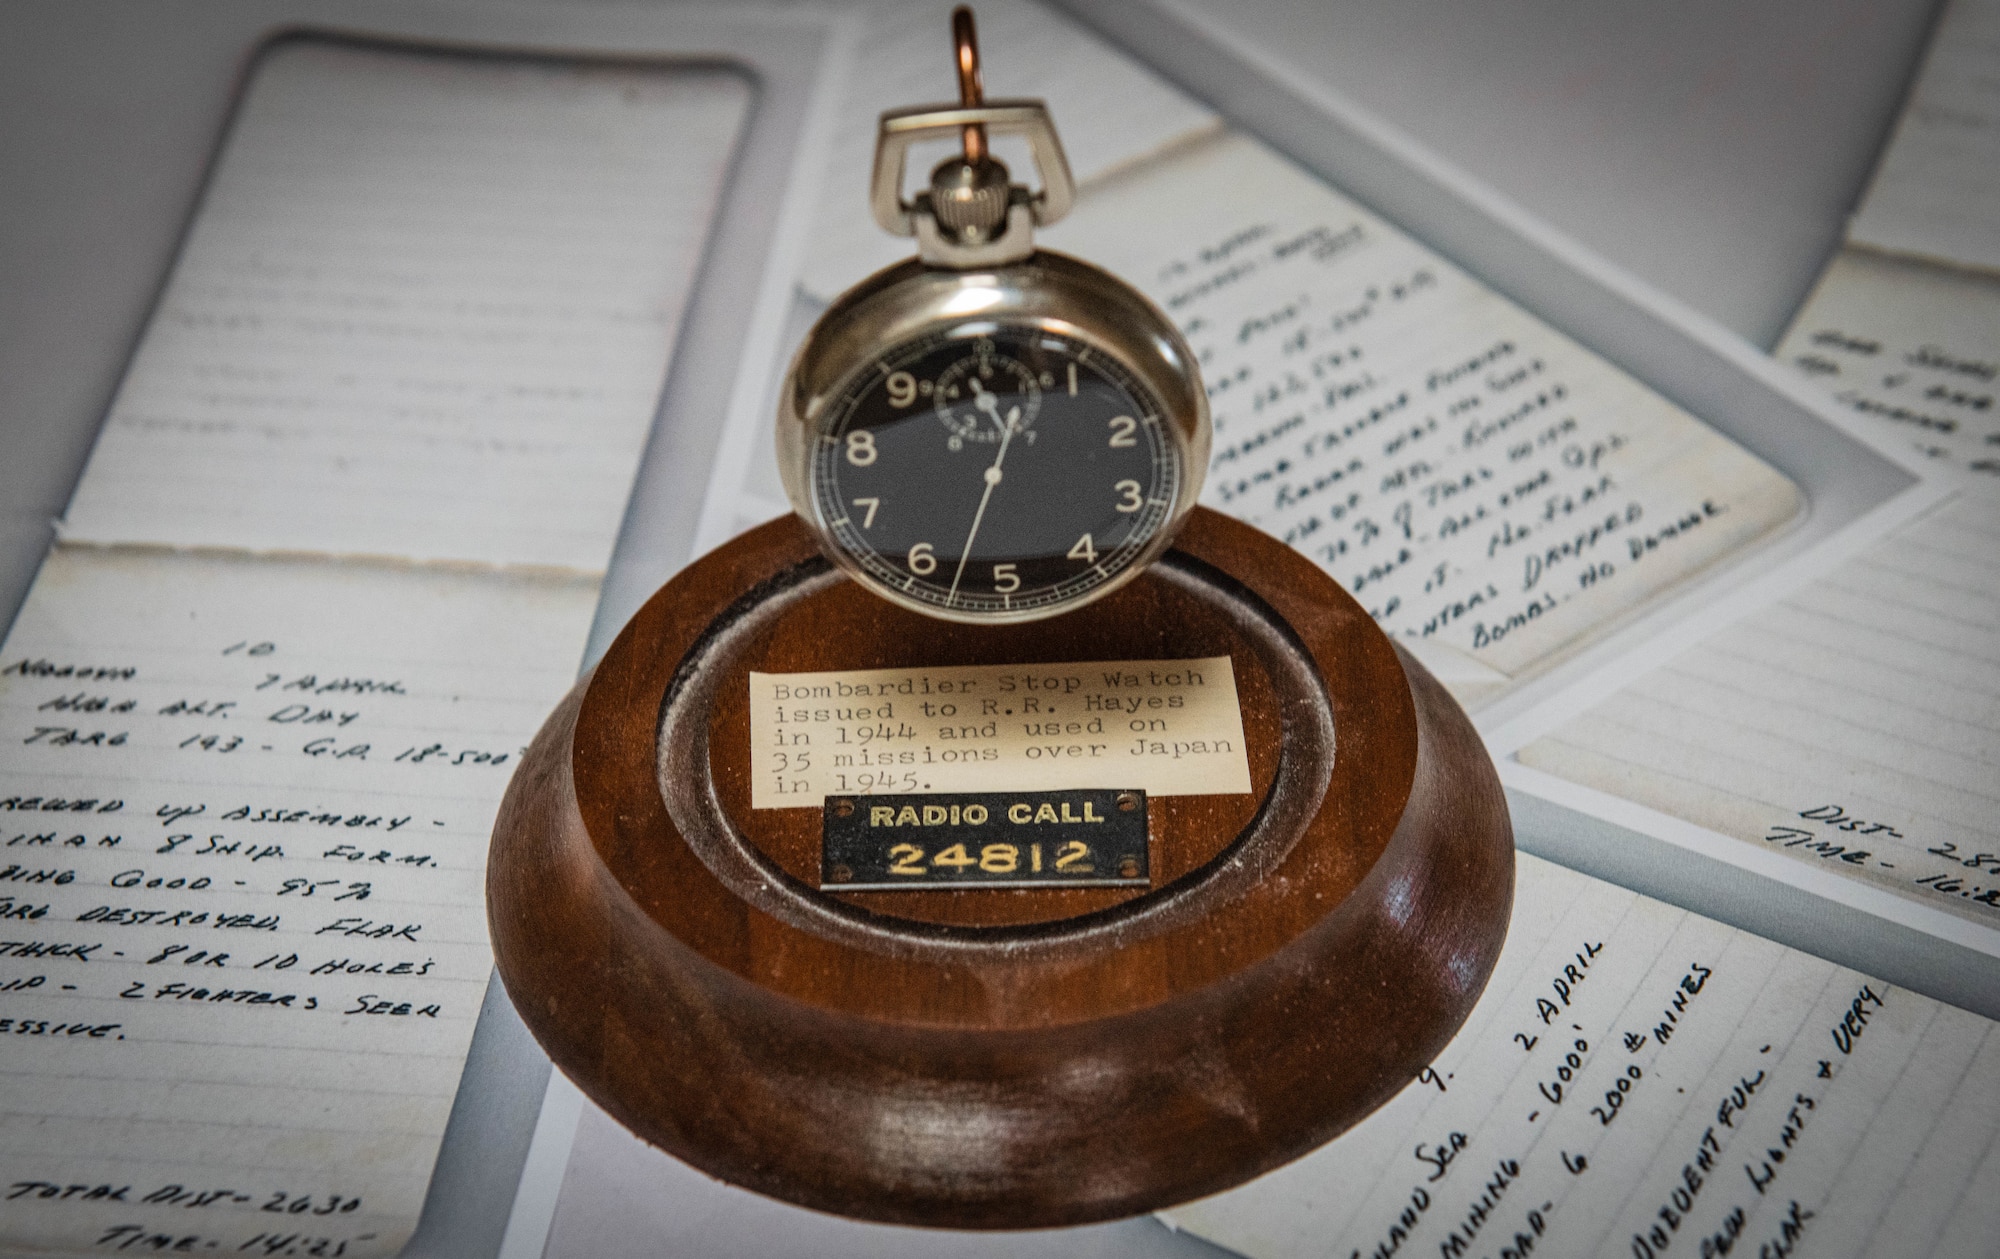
pixel 984 395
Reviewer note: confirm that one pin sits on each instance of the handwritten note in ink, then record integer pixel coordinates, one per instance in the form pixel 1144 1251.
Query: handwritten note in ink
pixel 1639 1080
pixel 1166 727
pixel 1914 350
pixel 244 810
pixel 1477 480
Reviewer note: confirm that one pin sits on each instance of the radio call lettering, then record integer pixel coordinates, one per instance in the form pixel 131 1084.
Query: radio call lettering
pixel 1087 837
pixel 1020 812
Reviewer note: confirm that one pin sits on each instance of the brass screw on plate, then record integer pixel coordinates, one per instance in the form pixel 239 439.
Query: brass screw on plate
pixel 842 874
pixel 843 808
pixel 1128 868
pixel 1127 801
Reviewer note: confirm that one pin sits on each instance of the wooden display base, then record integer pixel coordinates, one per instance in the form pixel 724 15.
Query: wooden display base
pixel 1001 1059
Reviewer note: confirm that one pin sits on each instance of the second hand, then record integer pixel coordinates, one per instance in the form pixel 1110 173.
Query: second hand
pixel 992 479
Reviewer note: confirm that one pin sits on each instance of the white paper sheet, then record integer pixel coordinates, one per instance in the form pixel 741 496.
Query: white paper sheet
pixel 425 310
pixel 1854 725
pixel 244 811
pixel 1489 490
pixel 1935 191
pixel 1108 109
pixel 1639 1080
pixel 1914 350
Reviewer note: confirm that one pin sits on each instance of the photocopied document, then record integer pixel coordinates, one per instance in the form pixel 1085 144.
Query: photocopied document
pixel 1639 1080
pixel 244 812
pixel 424 310
pixel 333 560
pixel 1493 493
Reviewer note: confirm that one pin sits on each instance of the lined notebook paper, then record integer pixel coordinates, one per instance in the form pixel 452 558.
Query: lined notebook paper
pixel 424 313
pixel 1854 725
pixel 1638 1080
pixel 1933 196
pixel 244 813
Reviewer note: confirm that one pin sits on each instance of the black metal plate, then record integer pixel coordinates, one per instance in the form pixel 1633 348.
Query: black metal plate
pixel 992 839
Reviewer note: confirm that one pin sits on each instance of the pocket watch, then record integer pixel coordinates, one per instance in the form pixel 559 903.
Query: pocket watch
pixel 989 432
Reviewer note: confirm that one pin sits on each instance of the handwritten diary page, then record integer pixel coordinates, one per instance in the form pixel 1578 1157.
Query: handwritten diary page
pixel 243 823
pixel 424 311
pixel 1493 493
pixel 1638 1080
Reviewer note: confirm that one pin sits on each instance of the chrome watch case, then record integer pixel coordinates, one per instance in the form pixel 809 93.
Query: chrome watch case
pixel 977 270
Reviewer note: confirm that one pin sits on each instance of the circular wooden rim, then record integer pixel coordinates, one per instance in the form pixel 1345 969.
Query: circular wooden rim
pixel 1212 929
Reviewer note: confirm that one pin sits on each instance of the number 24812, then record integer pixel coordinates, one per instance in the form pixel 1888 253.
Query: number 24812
pixel 909 859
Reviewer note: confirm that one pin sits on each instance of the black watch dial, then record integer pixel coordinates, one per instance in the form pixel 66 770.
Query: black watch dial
pixel 991 470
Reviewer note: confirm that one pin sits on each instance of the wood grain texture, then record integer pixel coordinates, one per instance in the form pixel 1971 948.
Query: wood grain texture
pixel 1001 1059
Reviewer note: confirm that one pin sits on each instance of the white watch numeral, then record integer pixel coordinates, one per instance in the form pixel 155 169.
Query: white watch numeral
pixel 1132 500
pixel 868 521
pixel 902 389
pixel 1005 580
pixel 1122 429
pixel 1083 550
pixel 921 561
pixel 861 447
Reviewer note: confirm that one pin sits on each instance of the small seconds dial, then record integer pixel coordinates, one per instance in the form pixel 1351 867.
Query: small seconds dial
pixel 991 470
pixel 967 396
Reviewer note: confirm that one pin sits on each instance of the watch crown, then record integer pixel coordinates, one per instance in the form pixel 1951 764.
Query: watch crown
pixel 970 216
pixel 969 198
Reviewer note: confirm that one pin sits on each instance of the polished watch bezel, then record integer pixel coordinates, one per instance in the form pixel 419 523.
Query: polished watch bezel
pixel 1047 290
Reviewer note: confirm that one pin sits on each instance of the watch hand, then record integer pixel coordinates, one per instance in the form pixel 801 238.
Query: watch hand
pixel 992 479
pixel 988 402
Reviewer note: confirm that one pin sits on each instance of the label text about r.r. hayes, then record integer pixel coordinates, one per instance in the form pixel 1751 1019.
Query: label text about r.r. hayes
pixel 1168 727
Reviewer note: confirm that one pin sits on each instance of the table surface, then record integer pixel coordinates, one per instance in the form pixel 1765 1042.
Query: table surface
pixel 1713 147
